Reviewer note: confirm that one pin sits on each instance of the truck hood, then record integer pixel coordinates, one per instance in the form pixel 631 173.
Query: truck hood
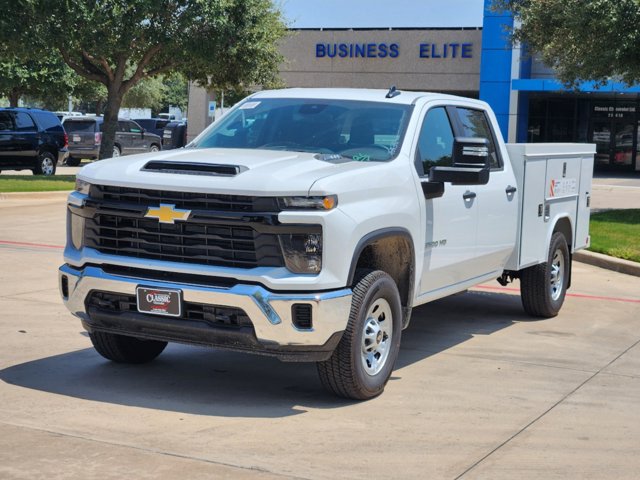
pixel 261 171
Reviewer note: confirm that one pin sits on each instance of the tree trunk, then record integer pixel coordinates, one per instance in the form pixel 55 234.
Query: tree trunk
pixel 114 100
pixel 14 97
pixel 99 107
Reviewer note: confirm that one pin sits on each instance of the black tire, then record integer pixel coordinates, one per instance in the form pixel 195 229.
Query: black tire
pixel 117 152
pixel 541 292
pixel 45 165
pixel 73 161
pixel 344 373
pixel 123 349
pixel 154 147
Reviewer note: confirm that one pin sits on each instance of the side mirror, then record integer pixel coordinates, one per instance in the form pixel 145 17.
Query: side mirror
pixel 470 163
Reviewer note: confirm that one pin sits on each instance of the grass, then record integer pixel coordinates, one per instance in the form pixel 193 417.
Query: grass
pixel 616 233
pixel 36 183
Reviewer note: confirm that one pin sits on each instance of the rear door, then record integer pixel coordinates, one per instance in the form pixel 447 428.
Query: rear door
pixel 497 200
pixel 123 137
pixel 81 133
pixel 25 139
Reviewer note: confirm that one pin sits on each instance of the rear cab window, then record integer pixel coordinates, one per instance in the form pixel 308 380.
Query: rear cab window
pixel 6 121
pixel 24 122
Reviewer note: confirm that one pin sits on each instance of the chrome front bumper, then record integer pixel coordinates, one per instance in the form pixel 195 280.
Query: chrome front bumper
pixel 270 313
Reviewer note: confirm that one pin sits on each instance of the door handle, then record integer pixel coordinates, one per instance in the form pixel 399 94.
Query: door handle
pixel 511 190
pixel 469 195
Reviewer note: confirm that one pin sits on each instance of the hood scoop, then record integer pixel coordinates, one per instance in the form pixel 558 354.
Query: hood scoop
pixel 192 168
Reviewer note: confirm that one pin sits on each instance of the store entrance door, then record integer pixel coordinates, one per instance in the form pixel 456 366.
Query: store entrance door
pixel 616 143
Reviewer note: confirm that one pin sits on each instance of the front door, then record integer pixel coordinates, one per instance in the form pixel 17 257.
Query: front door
pixel 451 220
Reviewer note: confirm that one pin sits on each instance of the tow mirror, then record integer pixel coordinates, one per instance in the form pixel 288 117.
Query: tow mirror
pixel 470 164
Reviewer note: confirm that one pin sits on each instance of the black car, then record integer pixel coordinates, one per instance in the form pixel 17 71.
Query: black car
pixel 31 139
pixel 153 125
pixel 175 135
pixel 85 138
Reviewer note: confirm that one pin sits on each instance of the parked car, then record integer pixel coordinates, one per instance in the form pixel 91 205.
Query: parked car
pixel 152 125
pixel 31 139
pixel 175 135
pixel 85 138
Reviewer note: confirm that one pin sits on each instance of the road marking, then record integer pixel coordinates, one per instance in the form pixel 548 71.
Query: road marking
pixel 27 244
pixel 575 295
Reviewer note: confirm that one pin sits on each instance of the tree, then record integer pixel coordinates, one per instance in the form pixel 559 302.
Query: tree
pixel 595 40
pixel 216 42
pixel 149 92
pixel 46 76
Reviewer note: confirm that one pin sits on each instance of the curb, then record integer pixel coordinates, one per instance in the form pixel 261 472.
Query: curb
pixel 610 263
pixel 35 195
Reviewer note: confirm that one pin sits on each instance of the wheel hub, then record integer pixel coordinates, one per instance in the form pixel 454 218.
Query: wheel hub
pixel 556 280
pixel 376 336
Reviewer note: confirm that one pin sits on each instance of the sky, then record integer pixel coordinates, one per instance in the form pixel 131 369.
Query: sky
pixel 382 13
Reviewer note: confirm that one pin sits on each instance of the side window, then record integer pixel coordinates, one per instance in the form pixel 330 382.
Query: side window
pixel 475 124
pixel 6 121
pixel 435 144
pixel 134 127
pixel 123 127
pixel 24 123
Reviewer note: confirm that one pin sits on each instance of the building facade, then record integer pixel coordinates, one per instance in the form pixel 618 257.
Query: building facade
pixel 474 60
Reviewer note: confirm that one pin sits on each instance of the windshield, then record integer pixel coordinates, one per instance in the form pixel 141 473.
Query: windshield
pixel 363 131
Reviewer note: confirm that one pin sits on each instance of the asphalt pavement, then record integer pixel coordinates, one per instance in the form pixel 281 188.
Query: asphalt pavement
pixel 480 390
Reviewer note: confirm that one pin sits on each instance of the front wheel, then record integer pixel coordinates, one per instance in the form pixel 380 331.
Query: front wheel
pixel 361 364
pixel 116 151
pixel 543 287
pixel 123 349
pixel 46 164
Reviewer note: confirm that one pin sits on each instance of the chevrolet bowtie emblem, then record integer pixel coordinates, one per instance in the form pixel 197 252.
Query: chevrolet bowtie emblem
pixel 166 213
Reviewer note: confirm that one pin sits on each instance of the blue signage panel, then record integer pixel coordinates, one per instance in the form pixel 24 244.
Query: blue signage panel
pixel 392 50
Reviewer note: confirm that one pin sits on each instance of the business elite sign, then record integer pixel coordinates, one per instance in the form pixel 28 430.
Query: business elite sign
pixel 392 50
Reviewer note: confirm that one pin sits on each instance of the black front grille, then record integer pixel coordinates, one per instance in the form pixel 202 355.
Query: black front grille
pixel 213 315
pixel 202 242
pixel 185 200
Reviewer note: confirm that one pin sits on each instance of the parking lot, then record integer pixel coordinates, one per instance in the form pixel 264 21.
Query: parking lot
pixel 480 390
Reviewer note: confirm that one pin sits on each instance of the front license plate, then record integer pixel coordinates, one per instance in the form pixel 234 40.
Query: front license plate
pixel 76 138
pixel 159 301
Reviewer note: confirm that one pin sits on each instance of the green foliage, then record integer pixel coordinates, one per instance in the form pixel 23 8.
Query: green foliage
pixel 46 77
pixel 176 92
pixel 616 233
pixel 146 93
pixel 582 40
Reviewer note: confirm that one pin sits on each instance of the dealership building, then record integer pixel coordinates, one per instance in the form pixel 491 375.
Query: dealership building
pixel 459 47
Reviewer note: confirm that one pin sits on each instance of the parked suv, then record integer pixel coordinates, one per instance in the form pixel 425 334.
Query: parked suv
pixel 31 139
pixel 85 138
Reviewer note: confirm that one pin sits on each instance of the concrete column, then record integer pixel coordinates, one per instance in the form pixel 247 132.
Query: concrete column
pixel 198 115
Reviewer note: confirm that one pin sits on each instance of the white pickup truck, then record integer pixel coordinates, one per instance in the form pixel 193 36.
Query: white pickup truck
pixel 307 223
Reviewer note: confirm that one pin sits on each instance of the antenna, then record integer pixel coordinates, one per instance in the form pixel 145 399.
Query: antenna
pixel 393 92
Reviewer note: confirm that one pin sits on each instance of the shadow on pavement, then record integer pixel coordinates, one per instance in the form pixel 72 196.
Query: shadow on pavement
pixel 204 381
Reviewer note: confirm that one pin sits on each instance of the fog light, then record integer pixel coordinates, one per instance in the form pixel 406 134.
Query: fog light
pixel 77 230
pixel 302 252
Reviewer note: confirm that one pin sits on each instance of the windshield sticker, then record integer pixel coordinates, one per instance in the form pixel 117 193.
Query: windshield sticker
pixel 361 157
pixel 249 105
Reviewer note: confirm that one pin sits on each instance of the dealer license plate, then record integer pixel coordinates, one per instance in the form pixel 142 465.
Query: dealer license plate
pixel 159 301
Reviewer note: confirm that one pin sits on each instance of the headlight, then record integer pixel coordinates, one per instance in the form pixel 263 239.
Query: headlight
pixel 82 186
pixel 302 252
pixel 328 202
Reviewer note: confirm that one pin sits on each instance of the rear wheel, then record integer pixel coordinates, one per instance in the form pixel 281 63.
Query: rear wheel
pixel 362 363
pixel 154 148
pixel 73 162
pixel 46 165
pixel 123 349
pixel 543 287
